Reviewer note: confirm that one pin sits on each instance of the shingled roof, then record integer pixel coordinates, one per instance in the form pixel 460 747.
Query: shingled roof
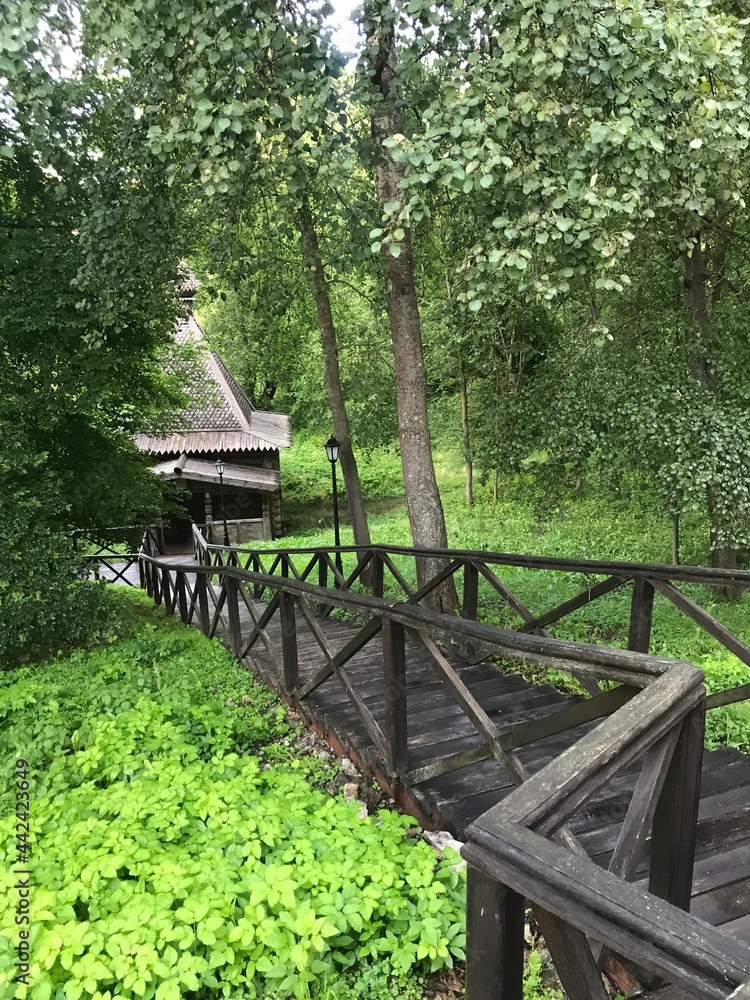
pixel 220 417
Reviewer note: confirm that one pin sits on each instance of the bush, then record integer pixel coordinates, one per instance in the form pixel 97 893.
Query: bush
pixel 43 606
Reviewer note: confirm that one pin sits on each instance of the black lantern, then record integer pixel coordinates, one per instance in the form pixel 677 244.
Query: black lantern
pixel 332 450
pixel 219 463
pixel 332 454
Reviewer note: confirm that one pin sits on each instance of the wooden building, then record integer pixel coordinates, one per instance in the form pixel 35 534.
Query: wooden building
pixel 220 423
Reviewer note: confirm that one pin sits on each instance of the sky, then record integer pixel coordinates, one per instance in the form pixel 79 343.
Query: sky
pixel 345 31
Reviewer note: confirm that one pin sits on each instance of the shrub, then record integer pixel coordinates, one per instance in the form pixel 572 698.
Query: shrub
pixel 169 858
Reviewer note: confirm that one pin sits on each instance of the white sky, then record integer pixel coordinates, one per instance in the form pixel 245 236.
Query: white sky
pixel 345 32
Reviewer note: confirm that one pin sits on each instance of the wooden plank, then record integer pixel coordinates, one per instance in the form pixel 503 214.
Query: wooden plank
pixel 289 644
pixel 574 961
pixel 397 575
pixel 449 764
pixel 434 582
pixel 394 683
pixel 494 941
pixel 569 717
pixel 673 837
pixel 202 592
pixel 579 601
pixel 654 934
pixel 473 710
pixel 706 621
pixel 729 697
pixel 264 619
pixel 637 823
pixel 355 644
pixel 235 628
pixel 641 612
pixel 551 796
pixel 505 592
pixel 470 604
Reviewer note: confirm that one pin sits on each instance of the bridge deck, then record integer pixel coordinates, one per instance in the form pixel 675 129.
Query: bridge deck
pixel 437 727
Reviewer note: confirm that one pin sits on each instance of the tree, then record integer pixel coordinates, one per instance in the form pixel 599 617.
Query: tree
pixel 85 305
pixel 572 126
pixel 422 496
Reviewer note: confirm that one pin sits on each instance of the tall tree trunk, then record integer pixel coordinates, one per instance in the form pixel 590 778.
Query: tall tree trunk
pixel 425 508
pixel 696 299
pixel 354 503
pixel 466 435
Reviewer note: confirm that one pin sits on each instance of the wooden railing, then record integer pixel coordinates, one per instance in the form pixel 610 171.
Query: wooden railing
pixel 118 563
pixel 653 710
pixel 469 568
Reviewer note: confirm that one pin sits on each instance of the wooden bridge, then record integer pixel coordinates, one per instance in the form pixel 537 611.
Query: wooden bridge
pixel 604 813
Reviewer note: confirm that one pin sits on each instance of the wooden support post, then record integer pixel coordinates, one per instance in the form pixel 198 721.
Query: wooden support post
pixel 257 588
pixel 201 589
pixel 394 679
pixel 322 609
pixel 165 591
pixel 494 939
pixel 376 568
pixel 182 597
pixel 289 652
pixel 233 609
pixel 674 830
pixel 470 605
pixel 641 609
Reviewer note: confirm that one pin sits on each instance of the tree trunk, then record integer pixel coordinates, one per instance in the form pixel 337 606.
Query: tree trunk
pixel 466 436
pixel 423 502
pixel 354 503
pixel 695 297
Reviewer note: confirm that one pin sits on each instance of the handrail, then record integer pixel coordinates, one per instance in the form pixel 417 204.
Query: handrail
pixel 708 575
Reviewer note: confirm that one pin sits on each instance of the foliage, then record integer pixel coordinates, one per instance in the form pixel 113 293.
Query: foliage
pixel 168 858
pixel 306 472
pixel 534 987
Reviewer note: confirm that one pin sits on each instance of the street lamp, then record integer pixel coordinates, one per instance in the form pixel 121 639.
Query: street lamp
pixel 220 469
pixel 332 454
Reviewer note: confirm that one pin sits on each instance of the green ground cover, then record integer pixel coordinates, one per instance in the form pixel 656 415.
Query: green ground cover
pixel 595 523
pixel 182 846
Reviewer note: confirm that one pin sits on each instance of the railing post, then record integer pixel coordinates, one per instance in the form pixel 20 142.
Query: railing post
pixel 471 592
pixel 322 582
pixel 376 568
pixel 165 589
pixel 394 680
pixel 182 597
pixel 641 610
pixel 201 589
pixel 289 643
pixel 233 610
pixel 257 588
pixel 674 830
pixel 494 939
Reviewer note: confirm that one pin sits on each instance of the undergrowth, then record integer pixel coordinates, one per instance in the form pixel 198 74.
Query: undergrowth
pixel 180 849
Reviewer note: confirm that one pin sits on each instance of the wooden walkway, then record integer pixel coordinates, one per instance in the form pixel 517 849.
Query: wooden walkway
pixel 437 727
pixel 594 823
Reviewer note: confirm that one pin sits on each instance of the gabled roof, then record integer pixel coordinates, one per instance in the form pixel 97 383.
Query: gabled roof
pixel 220 418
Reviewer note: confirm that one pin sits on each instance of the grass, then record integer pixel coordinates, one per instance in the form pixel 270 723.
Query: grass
pixel 627 525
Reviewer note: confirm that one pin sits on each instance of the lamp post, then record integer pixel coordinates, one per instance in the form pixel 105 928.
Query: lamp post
pixel 332 454
pixel 220 469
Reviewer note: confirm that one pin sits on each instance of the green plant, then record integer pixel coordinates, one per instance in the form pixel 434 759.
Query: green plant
pixel 171 857
pixel 534 987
